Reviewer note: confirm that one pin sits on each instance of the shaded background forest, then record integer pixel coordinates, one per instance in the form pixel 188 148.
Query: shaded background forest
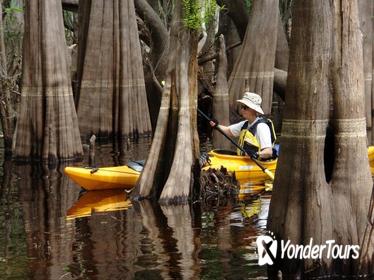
pixel 153 24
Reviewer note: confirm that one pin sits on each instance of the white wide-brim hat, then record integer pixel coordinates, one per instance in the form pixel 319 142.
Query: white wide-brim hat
pixel 252 100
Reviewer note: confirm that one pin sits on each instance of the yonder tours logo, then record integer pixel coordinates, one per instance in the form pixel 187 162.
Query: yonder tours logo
pixel 267 247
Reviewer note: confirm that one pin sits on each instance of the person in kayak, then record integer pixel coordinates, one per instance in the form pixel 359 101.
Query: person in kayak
pixel 256 133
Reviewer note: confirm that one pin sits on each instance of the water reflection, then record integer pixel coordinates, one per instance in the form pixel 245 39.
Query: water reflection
pixel 51 231
pixel 185 263
pixel 44 196
pixel 98 202
pixel 13 251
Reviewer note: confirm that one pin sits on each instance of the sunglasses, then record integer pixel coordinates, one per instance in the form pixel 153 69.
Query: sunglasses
pixel 243 107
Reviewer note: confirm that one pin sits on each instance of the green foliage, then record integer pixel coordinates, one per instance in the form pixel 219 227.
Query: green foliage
pixel 248 4
pixel 13 36
pixel 12 26
pixel 69 23
pixel 13 10
pixel 198 12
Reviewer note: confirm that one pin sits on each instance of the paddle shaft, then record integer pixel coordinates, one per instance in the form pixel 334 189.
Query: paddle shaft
pixel 263 168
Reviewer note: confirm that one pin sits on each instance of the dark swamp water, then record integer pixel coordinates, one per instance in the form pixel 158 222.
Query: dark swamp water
pixel 50 230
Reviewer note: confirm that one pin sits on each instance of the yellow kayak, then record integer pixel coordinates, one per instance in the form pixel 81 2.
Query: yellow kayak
pixel 103 178
pixel 245 169
pixel 125 177
pixel 371 158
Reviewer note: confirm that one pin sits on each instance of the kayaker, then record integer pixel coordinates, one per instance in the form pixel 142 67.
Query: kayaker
pixel 256 133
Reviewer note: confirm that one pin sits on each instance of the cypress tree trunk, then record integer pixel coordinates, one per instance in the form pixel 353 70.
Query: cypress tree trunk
pixel 300 206
pixel 47 125
pixel 366 26
pixel 229 31
pixel 281 63
pixel 112 99
pixel 256 60
pixel 155 65
pixel 221 97
pixel 351 179
pixel 323 190
pixel 282 50
pixel 175 147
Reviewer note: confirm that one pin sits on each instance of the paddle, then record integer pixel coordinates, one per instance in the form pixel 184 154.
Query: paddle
pixel 263 168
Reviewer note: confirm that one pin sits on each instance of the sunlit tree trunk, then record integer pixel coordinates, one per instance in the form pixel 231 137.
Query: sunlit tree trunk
pixel 112 100
pixel 47 125
pixel 255 63
pixel 175 147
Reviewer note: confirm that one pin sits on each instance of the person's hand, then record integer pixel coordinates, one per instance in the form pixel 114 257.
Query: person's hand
pixel 213 123
pixel 256 155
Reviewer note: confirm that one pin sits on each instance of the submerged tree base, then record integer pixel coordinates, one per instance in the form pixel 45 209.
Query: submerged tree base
pixel 216 185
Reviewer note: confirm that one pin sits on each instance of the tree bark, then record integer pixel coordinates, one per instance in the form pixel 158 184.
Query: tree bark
pixel 221 97
pixel 256 60
pixel 300 206
pixel 238 12
pixel 282 50
pixel 47 125
pixel 207 70
pixel 280 82
pixel 175 147
pixel 371 136
pixel 351 179
pixel 229 31
pixel 323 201
pixel 366 26
pixel 112 99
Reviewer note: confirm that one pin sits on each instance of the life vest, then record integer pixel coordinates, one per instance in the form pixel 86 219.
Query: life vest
pixel 247 137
